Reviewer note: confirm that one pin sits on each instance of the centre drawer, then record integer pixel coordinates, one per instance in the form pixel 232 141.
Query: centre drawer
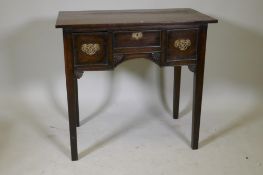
pixel 124 39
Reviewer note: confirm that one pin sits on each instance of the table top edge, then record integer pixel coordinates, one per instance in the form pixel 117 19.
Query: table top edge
pixel 64 23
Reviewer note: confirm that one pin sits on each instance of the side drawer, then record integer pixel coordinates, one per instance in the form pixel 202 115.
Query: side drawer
pixel 91 48
pixel 181 44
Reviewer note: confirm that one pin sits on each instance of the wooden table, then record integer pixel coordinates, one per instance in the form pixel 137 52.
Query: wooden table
pixel 101 40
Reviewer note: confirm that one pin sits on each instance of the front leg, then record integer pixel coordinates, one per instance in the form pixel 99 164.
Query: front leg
pixel 198 87
pixel 176 94
pixel 197 104
pixel 71 92
pixel 77 101
pixel 72 114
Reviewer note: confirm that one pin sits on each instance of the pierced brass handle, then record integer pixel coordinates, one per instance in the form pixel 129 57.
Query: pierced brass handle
pixel 137 35
pixel 182 44
pixel 90 49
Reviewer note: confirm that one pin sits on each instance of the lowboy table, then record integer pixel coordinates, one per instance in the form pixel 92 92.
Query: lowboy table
pixel 101 40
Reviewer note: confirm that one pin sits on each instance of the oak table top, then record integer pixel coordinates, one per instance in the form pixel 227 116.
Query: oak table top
pixel 74 19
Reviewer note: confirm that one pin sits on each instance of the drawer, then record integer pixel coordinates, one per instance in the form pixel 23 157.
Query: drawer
pixel 91 48
pixel 181 44
pixel 136 39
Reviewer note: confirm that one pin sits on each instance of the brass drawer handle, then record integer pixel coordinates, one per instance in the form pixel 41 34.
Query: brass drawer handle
pixel 137 35
pixel 90 49
pixel 182 44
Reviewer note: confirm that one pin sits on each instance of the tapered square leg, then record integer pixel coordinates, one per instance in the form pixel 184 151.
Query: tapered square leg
pixel 198 87
pixel 72 114
pixel 71 94
pixel 197 104
pixel 176 93
pixel 77 102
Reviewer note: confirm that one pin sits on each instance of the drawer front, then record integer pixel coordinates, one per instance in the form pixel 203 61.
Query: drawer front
pixel 181 44
pixel 91 48
pixel 137 39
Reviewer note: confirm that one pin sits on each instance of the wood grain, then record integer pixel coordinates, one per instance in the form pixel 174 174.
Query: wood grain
pixel 111 18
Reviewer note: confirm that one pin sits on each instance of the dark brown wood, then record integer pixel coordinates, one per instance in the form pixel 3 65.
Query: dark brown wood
pixel 152 56
pixel 118 18
pixel 181 62
pixel 156 57
pixel 137 50
pixel 198 87
pixel 117 59
pixel 132 28
pixel 125 39
pixel 71 90
pixel 77 101
pixel 176 96
pixel 192 68
pixel 174 53
pixel 163 47
pixel 100 57
pixel 78 74
pixel 101 40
